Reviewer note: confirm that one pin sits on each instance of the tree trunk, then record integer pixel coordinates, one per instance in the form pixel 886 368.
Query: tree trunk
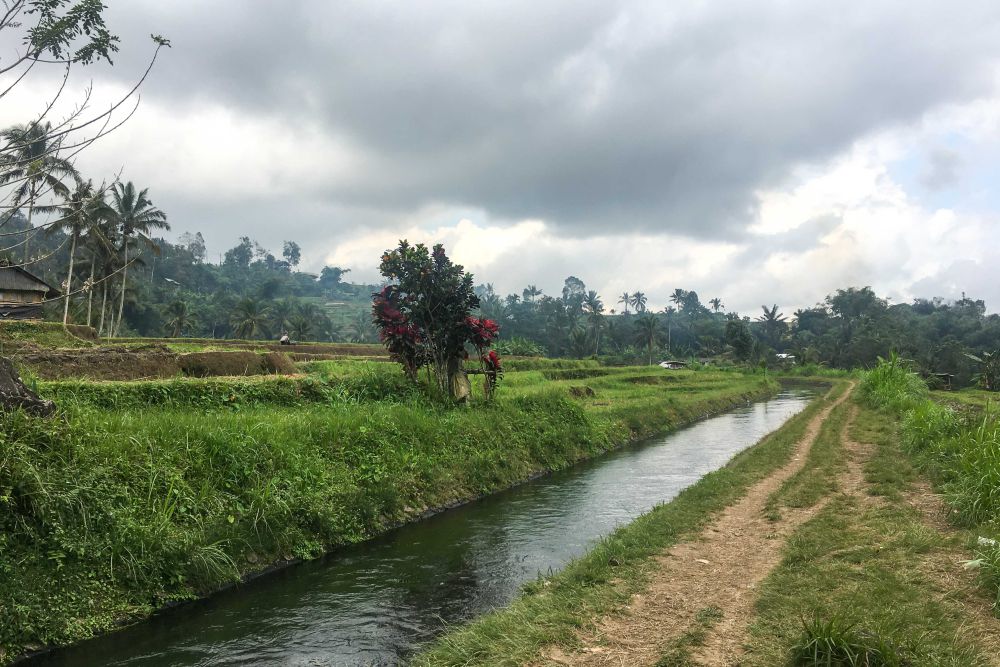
pixel 69 278
pixel 90 292
pixel 121 304
pixel 14 395
pixel 104 307
pixel 27 233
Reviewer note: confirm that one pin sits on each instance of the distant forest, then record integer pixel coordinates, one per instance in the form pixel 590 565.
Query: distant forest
pixel 258 293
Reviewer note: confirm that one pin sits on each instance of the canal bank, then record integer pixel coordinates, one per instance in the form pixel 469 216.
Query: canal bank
pixel 373 603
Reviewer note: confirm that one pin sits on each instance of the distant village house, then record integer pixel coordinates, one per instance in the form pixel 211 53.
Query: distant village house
pixel 22 294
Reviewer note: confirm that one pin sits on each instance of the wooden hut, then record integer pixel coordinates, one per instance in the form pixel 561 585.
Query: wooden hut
pixel 22 294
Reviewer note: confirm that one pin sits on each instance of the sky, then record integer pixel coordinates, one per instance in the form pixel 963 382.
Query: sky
pixel 760 152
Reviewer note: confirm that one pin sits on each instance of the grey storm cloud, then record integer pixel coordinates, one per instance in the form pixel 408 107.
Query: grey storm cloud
pixel 646 117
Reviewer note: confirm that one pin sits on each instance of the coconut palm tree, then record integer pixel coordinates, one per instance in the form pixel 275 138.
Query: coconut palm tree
pixel 104 262
pixel 249 319
pixel 678 297
pixel 647 332
pixel 639 301
pixel 530 292
pixel 716 304
pixel 180 319
pixel 135 216
pixel 29 160
pixel 626 299
pixel 594 308
pixel 81 215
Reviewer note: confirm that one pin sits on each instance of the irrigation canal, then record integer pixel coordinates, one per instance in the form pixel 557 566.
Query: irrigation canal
pixel 373 603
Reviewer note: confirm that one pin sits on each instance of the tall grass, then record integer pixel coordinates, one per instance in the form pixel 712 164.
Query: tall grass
pixel 959 450
pixel 891 385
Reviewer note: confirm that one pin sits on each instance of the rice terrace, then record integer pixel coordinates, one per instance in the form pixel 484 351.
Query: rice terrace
pixel 364 334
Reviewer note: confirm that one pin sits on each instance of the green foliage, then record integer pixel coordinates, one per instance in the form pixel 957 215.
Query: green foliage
pixel 58 25
pixel 892 385
pixel 521 347
pixel 988 376
pixel 433 298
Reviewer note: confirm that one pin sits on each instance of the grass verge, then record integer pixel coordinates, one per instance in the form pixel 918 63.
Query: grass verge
pixel 550 612
pixel 852 588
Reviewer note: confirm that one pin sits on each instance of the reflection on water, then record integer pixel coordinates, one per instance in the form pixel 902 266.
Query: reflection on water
pixel 372 603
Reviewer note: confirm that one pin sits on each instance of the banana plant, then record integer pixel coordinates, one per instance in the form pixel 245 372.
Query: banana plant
pixel 989 369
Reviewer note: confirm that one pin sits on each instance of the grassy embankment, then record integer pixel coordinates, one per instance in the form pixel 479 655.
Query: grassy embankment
pixel 143 493
pixel 550 612
pixel 870 580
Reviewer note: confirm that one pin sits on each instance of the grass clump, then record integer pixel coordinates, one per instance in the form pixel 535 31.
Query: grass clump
pixel 836 642
pixel 678 653
pixel 892 386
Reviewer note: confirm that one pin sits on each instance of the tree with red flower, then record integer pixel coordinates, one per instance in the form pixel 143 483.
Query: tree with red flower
pixel 424 316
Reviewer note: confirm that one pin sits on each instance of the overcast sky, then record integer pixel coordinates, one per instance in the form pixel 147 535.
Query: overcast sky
pixel 758 151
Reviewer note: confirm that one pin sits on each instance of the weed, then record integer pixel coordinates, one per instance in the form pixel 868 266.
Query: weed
pixel 836 642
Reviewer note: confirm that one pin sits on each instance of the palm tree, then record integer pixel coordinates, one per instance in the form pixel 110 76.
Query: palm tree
pixel 180 318
pixel 669 311
pixel 249 319
pixel 30 159
pixel 678 297
pixel 301 327
pixel 578 344
pixel 716 304
pixel 135 215
pixel 306 320
pixel 103 265
pixel 639 301
pixel 530 292
pixel 625 298
pixel 773 321
pixel 360 329
pixel 647 332
pixel 81 215
pixel 594 308
pixel 282 313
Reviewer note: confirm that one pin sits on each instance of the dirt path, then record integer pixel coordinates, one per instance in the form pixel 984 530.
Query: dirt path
pixel 714 576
